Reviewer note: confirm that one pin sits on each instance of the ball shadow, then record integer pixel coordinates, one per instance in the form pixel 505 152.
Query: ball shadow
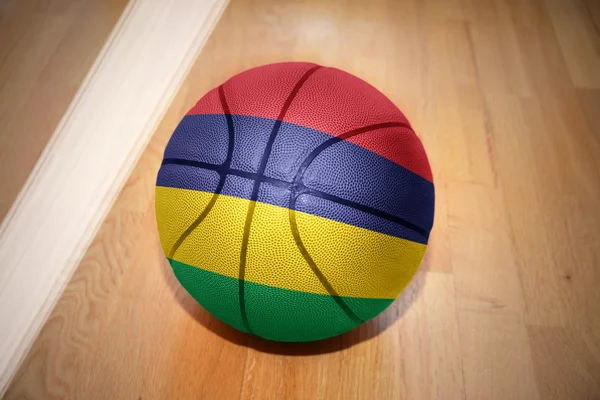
pixel 362 333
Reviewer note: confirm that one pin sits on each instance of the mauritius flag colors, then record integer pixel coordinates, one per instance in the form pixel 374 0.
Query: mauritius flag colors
pixel 294 202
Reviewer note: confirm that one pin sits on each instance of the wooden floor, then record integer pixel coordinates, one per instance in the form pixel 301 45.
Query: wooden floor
pixel 505 95
pixel 46 50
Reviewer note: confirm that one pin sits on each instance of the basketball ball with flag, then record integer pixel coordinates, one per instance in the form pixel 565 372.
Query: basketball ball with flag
pixel 294 202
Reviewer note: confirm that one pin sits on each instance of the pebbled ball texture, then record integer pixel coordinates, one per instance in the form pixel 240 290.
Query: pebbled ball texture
pixel 294 202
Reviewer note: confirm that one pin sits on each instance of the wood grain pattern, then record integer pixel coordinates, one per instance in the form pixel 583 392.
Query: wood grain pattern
pixel 505 306
pixel 88 159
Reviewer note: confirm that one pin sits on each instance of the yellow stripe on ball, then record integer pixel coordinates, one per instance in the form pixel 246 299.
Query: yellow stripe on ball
pixel 357 262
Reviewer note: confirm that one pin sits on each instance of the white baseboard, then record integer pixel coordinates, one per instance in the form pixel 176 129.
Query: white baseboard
pixel 89 157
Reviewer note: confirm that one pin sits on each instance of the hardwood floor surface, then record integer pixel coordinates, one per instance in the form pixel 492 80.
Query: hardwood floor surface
pixel 505 95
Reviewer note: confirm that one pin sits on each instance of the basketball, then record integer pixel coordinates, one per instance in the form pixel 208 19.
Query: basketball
pixel 294 202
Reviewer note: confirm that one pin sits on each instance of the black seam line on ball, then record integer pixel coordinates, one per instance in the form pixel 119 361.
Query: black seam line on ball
pixel 298 179
pixel 256 187
pixel 300 189
pixel 292 211
pixel 226 165
pixel 314 267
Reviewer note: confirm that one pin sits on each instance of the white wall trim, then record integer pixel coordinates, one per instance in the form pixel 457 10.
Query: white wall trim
pixel 89 157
